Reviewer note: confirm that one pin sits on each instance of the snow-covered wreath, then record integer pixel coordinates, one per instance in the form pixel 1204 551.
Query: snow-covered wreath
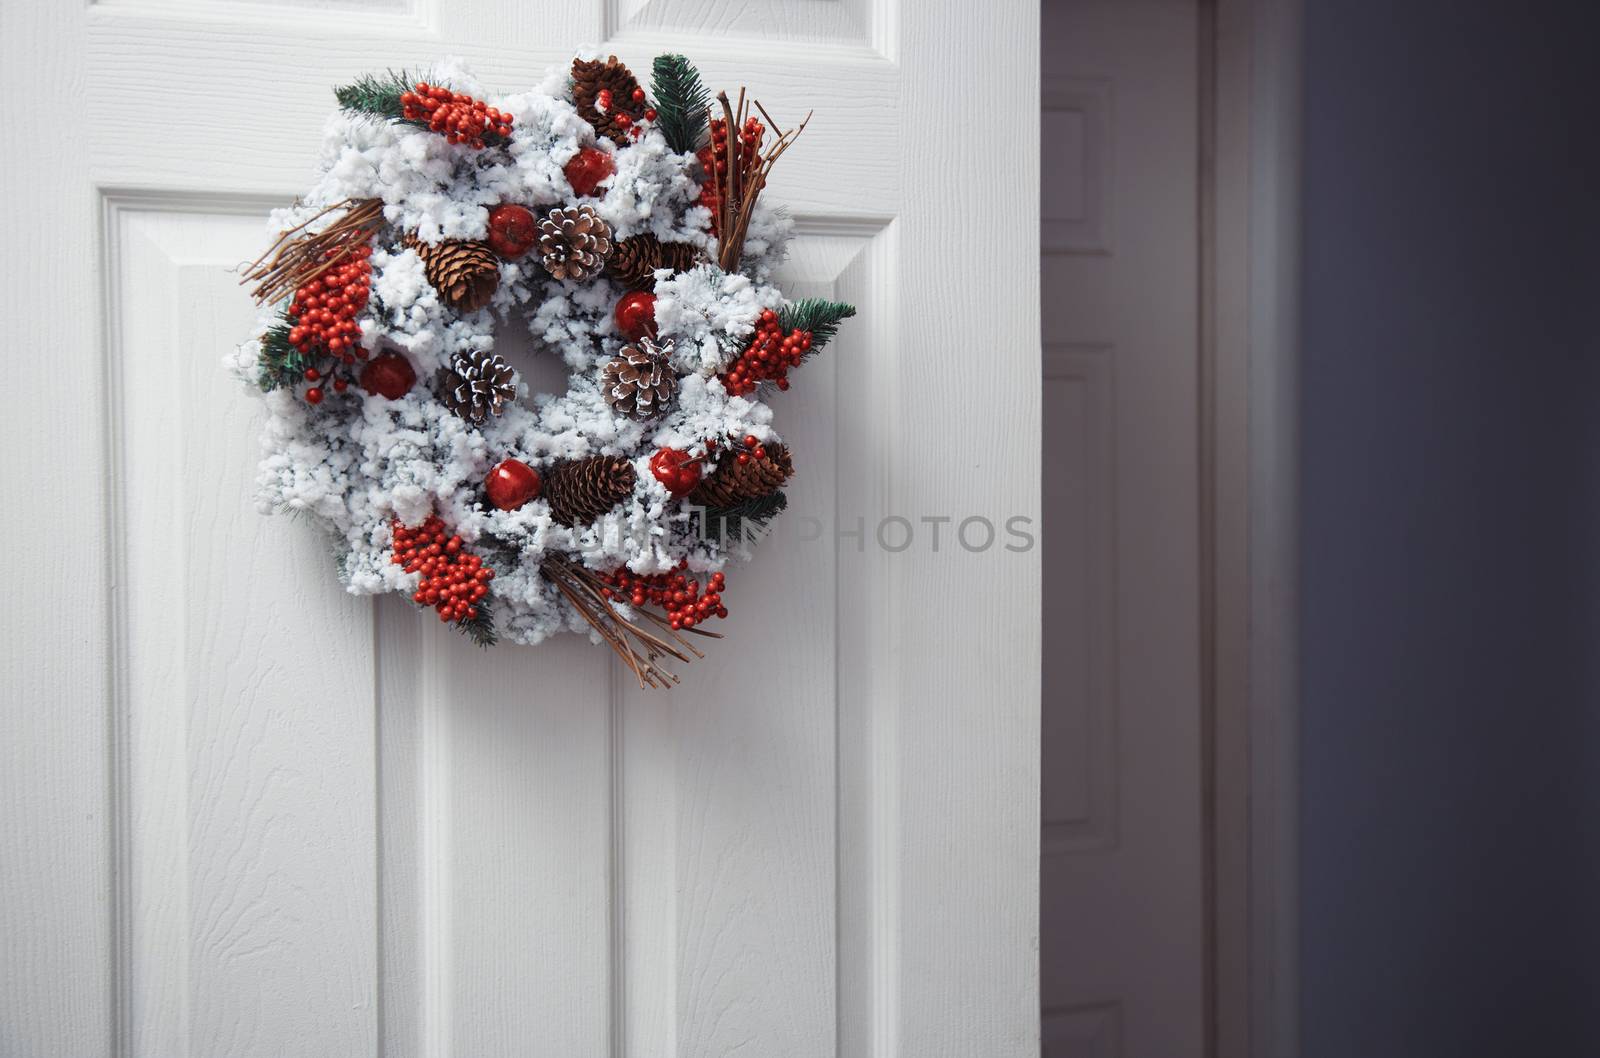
pixel 625 229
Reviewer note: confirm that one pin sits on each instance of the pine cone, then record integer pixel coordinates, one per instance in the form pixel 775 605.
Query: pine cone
pixel 590 77
pixel 575 242
pixel 639 382
pixel 581 490
pixel 477 385
pixel 734 482
pixel 633 262
pixel 465 274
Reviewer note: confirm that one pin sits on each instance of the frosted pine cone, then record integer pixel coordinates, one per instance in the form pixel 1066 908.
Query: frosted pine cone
pixel 633 262
pixel 603 93
pixel 735 482
pixel 581 490
pixel 465 274
pixel 638 382
pixel 574 242
pixel 477 385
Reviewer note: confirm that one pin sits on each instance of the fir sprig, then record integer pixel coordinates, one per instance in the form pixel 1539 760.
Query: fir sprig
pixel 280 363
pixel 480 629
pixel 818 315
pixel 730 520
pixel 379 96
pixel 681 102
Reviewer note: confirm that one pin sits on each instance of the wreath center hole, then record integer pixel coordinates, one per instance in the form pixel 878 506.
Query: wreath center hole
pixel 540 368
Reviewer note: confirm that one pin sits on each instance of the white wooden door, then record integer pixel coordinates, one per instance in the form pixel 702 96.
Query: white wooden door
pixel 246 814
pixel 1123 890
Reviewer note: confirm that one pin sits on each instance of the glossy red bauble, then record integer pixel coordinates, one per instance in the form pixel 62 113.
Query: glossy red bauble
pixel 676 469
pixel 587 168
pixel 511 484
pixel 388 375
pixel 512 230
pixel 636 315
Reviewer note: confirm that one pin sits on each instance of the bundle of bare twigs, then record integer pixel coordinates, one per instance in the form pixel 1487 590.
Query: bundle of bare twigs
pixel 738 187
pixel 296 258
pixel 638 647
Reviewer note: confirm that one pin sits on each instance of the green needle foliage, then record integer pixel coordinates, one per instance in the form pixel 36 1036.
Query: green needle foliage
pixel 480 629
pixel 681 102
pixel 818 315
pixel 379 96
pixel 730 520
pixel 281 363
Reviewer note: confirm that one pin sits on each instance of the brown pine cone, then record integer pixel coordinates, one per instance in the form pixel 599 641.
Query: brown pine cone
pixel 590 77
pixel 575 242
pixel 477 385
pixel 465 274
pixel 633 262
pixel 581 490
pixel 734 482
pixel 639 382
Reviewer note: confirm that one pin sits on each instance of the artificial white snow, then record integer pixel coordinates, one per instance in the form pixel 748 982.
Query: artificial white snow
pixel 359 462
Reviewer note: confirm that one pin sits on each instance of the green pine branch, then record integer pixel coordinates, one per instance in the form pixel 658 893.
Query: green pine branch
pixel 280 363
pixel 818 315
pixel 379 96
pixel 681 102
pixel 480 629
pixel 730 520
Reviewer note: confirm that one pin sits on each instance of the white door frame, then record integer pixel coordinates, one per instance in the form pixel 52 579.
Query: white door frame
pixel 1250 118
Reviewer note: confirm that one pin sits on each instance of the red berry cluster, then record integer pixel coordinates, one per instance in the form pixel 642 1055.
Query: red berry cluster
pixel 768 357
pixel 714 159
pixel 460 118
pixel 453 579
pixel 674 592
pixel 324 310
pixel 748 449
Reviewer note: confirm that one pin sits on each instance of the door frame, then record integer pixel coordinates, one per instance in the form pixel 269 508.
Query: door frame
pixel 1250 63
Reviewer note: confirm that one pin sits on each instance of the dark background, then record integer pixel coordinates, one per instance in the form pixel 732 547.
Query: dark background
pixel 1450 531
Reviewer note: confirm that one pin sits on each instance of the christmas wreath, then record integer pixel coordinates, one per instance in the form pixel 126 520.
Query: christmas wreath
pixel 627 231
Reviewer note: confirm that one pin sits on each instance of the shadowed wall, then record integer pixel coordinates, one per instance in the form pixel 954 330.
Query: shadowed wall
pixel 1451 521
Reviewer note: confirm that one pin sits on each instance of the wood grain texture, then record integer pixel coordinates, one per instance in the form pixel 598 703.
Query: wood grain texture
pixel 962 641
pixel 247 814
pixel 55 864
pixel 247 835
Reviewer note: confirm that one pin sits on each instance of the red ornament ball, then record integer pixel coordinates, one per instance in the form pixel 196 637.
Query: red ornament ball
pixel 512 230
pixel 636 315
pixel 511 484
pixel 388 375
pixel 587 168
pixel 676 469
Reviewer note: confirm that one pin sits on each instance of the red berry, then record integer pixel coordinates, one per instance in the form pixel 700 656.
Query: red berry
pixel 388 375
pixel 314 395
pixel 511 484
pixel 512 230
pixel 636 315
pixel 587 168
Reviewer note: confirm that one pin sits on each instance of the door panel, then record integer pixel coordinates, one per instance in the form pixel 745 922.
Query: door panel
pixel 248 814
pixel 1122 884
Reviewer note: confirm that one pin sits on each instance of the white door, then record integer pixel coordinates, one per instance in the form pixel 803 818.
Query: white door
pixel 1123 889
pixel 246 814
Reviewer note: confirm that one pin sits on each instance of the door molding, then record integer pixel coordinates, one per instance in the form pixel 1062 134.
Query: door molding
pixel 1250 177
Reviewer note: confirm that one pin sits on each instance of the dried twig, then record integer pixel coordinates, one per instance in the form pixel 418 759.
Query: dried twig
pixel 739 188
pixel 638 647
pixel 297 258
